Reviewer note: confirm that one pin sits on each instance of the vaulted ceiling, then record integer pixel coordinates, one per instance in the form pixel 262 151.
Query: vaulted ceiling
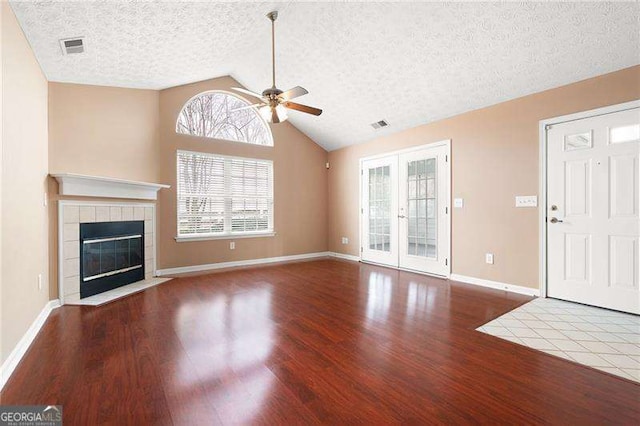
pixel 408 63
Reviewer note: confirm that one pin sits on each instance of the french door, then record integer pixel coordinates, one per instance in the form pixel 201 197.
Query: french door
pixel 592 213
pixel 380 207
pixel 405 208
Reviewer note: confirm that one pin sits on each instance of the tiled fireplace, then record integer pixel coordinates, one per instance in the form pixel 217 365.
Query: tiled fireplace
pixel 104 245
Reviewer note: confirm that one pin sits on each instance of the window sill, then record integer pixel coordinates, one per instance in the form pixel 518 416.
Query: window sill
pixel 187 238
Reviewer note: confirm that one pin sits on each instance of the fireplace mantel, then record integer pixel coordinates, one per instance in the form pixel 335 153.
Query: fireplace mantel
pixel 98 186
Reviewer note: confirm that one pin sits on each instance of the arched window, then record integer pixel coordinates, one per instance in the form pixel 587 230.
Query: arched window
pixel 215 115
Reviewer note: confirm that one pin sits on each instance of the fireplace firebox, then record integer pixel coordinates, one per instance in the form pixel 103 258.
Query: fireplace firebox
pixel 111 255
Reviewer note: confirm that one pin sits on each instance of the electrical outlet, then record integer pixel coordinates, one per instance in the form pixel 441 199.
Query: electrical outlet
pixel 458 203
pixel 488 258
pixel 39 281
pixel 345 240
pixel 232 245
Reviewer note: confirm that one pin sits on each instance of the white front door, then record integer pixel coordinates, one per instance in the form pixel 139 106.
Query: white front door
pixel 379 210
pixel 592 211
pixel 423 210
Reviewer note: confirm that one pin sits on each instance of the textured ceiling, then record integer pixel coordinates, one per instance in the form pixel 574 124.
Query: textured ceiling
pixel 409 63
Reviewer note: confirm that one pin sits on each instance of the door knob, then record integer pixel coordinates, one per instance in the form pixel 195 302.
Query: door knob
pixel 555 220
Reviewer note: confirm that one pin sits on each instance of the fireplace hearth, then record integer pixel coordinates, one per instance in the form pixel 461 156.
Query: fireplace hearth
pixel 111 255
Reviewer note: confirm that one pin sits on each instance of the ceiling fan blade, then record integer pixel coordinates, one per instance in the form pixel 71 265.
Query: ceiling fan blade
pixel 302 108
pixel 274 116
pixel 247 92
pixel 247 107
pixel 293 93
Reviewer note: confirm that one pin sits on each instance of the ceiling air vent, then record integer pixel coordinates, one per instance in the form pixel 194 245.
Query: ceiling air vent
pixel 72 45
pixel 379 124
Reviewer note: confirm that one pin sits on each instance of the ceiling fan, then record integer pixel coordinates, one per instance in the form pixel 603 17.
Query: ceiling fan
pixel 273 101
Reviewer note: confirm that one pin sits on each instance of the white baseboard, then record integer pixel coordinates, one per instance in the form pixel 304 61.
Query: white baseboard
pixel 345 256
pixel 495 284
pixel 12 361
pixel 239 263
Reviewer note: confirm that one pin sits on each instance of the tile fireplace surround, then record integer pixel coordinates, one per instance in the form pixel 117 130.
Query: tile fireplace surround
pixel 72 213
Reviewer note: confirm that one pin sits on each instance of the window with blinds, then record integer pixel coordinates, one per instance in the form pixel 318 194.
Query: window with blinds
pixel 220 195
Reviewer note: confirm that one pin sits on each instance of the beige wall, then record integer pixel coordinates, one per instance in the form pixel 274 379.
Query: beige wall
pixel 24 175
pixel 300 188
pixel 494 158
pixel 103 131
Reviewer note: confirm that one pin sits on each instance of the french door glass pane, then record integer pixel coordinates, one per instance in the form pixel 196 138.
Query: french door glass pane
pixel 379 205
pixel 422 203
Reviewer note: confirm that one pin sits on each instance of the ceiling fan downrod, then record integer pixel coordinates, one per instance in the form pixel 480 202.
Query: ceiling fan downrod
pixel 272 17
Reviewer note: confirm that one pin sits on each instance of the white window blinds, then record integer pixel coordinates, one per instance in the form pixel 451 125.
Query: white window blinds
pixel 219 195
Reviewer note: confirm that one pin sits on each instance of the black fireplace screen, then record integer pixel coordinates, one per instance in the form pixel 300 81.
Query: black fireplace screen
pixel 111 255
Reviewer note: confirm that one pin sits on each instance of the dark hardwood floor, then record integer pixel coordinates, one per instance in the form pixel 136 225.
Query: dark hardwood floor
pixel 317 342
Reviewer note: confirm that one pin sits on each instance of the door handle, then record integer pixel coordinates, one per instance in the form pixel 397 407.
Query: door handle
pixel 401 216
pixel 555 220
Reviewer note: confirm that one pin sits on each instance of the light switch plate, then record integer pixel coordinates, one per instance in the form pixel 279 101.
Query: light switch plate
pixel 526 201
pixel 458 203
pixel 488 258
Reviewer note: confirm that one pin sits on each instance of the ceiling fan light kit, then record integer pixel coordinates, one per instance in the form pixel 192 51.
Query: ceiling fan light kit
pixel 274 102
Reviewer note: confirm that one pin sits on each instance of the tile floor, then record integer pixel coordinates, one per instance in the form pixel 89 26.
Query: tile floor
pixel 599 338
pixel 116 293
